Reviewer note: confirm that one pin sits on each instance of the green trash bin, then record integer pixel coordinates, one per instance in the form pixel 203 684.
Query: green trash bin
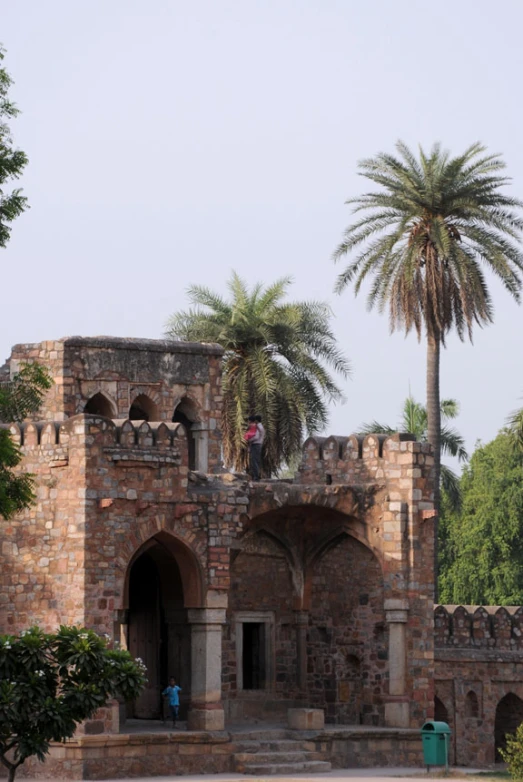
pixel 435 737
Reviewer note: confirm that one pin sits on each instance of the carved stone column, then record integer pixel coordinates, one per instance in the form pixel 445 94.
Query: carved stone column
pixel 200 434
pixel 397 703
pixel 206 709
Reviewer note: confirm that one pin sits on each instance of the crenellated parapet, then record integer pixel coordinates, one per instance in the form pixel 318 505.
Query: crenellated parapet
pixel 478 627
pixel 364 459
pixel 120 439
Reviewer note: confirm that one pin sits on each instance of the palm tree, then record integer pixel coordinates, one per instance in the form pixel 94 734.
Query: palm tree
pixel 414 420
pixel 515 427
pixel 423 240
pixel 275 352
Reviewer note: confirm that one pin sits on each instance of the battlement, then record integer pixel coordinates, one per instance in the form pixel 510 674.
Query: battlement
pixel 338 459
pixel 147 441
pixel 478 627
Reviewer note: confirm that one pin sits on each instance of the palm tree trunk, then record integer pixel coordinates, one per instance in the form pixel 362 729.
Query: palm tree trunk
pixel 434 433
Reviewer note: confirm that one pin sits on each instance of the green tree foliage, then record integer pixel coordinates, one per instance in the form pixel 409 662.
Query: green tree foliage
pixel 414 420
pixel 513 753
pixel 19 397
pixel 482 547
pixel 49 682
pixel 12 160
pixel 422 238
pixel 274 364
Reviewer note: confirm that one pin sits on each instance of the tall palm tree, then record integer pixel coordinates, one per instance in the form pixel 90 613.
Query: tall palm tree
pixel 414 420
pixel 274 364
pixel 423 239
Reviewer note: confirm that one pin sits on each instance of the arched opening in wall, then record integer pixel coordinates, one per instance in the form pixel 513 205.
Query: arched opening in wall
pixel 509 714
pixel 471 705
pixel 186 413
pixel 99 405
pixel 143 409
pixel 161 583
pixel 440 711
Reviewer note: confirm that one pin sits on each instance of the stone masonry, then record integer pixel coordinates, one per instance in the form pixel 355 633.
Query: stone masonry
pixel 257 597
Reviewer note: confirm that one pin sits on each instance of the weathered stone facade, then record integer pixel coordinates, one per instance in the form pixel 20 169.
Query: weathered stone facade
pixel 479 677
pixel 257 597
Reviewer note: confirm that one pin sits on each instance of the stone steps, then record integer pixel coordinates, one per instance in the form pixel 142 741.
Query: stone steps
pixel 242 758
pixel 283 745
pixel 270 769
pixel 270 756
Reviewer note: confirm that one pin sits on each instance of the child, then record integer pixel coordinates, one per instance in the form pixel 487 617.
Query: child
pixel 174 699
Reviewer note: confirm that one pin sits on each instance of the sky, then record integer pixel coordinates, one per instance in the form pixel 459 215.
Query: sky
pixel 171 142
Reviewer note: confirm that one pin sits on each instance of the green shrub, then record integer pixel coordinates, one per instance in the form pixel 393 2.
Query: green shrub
pixel 513 753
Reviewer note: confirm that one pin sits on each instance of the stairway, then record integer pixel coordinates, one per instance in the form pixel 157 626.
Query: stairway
pixel 270 752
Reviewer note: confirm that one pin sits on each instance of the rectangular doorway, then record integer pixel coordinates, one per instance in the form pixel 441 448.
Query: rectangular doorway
pixel 254 662
pixel 254 631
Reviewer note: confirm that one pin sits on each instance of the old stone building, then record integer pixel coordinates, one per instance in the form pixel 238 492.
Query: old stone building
pixel 262 597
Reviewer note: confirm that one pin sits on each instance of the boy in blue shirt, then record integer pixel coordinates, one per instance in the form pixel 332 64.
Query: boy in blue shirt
pixel 174 699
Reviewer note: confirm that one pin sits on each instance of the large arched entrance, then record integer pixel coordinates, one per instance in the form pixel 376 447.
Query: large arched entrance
pixel 306 621
pixel 162 582
pixel 509 715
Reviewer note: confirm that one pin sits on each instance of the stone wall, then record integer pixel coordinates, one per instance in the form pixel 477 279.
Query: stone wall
pixel 479 677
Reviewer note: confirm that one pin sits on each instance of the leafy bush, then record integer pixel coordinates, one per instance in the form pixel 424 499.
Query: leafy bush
pixel 513 753
pixel 50 682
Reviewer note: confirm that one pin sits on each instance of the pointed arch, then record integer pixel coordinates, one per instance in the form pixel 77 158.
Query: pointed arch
pixel 188 564
pixel 509 715
pixel 100 404
pixel 143 408
pixel 440 711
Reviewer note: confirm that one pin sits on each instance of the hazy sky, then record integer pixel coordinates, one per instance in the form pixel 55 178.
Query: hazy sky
pixel 171 142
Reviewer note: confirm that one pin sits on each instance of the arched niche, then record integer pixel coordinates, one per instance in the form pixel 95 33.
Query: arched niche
pixel 143 409
pixel 99 404
pixel 471 705
pixel 440 711
pixel 186 413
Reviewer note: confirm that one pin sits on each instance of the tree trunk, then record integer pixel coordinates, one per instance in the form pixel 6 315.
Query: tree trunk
pixel 434 434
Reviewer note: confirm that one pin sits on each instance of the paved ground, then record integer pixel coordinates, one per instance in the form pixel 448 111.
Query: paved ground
pixel 352 774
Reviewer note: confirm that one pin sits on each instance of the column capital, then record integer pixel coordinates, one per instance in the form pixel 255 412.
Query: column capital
pixel 396 610
pixel 206 616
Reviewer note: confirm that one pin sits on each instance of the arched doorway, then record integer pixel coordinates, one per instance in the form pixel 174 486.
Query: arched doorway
pixel 158 631
pixel 143 409
pixel 440 711
pixel 186 413
pixel 99 404
pixel 509 714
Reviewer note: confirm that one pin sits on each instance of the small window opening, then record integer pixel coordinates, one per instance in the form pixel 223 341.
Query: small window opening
pixel 99 405
pixel 254 662
pixel 328 479
pixel 143 409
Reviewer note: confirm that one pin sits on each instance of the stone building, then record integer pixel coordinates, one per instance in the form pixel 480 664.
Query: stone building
pixel 261 597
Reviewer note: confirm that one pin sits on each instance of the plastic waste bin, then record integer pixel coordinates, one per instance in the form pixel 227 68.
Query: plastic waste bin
pixel 435 737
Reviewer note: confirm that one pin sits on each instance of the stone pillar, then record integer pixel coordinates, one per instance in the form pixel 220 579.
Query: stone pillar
pixel 201 444
pixel 301 623
pixel 206 709
pixel 397 703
